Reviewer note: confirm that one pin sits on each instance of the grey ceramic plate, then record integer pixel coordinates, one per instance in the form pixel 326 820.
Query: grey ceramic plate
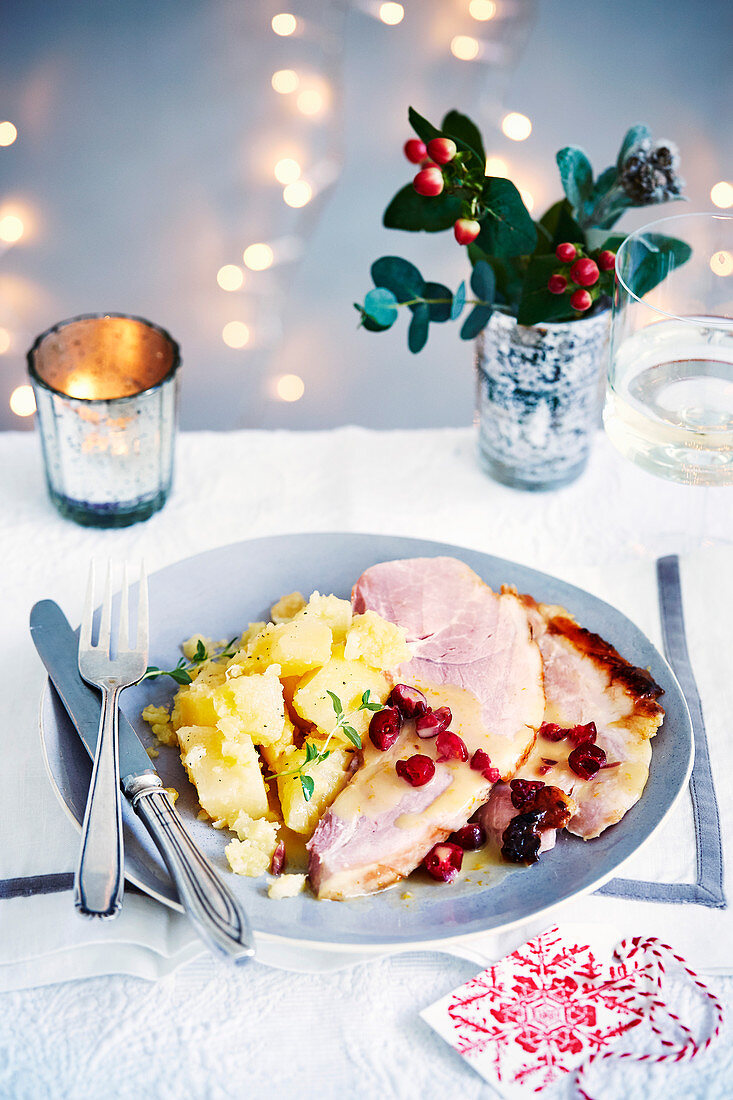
pixel 217 594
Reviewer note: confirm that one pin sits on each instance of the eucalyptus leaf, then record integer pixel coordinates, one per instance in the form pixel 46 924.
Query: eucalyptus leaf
pixel 476 322
pixel 636 134
pixel 662 256
pixel 576 175
pixel 417 334
pixel 507 228
pixel 421 213
pixel 483 282
pixel 509 274
pixel 368 322
pixel 381 305
pixel 399 276
pixel 459 301
pixel 441 310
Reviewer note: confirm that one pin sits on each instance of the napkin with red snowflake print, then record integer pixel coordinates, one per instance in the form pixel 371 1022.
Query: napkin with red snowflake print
pixel 562 1002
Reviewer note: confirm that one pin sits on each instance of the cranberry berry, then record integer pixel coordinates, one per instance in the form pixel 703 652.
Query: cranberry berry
pixel 444 716
pixel 428 182
pixel 481 762
pixel 415 150
pixel 444 861
pixel 524 791
pixel 551 731
pixel 466 230
pixel 581 300
pixel 607 260
pixel 557 284
pixel 579 734
pixel 417 771
pixel 442 150
pixel 566 252
pixel 470 837
pixel 584 272
pixel 586 760
pixel 410 700
pixel 428 725
pixel 384 728
pixel 450 747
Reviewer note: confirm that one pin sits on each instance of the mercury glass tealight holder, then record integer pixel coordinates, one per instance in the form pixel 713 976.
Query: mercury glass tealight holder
pixel 105 387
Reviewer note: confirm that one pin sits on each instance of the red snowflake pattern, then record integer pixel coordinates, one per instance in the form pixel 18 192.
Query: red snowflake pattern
pixel 549 1000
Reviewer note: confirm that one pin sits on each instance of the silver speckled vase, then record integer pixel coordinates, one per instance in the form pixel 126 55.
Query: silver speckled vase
pixel 538 395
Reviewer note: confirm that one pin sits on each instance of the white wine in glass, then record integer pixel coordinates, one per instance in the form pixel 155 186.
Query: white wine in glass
pixel 669 402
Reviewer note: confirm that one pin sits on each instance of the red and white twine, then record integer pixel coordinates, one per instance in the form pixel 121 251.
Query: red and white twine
pixel 658 954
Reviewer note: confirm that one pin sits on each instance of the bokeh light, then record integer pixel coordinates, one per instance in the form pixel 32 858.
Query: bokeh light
pixel 391 14
pixel 722 194
pixel 284 24
pixel 287 170
pixel 516 126
pixel 497 166
pixel 527 198
pixel 285 81
pixel 482 9
pixel 311 102
pixel 258 256
pixel 290 387
pixel 4 340
pixel 23 401
pixel 11 229
pixel 235 334
pixel 230 277
pixel 298 194
pixel 721 263
pixel 8 133
pixel 464 47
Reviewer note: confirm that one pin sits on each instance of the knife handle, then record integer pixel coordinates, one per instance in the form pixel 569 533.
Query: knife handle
pixel 99 882
pixel 209 903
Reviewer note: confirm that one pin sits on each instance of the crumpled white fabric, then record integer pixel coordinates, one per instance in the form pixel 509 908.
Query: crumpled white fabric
pixel 611 524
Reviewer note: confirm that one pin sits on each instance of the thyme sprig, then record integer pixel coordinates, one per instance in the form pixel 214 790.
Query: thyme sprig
pixel 181 672
pixel 316 755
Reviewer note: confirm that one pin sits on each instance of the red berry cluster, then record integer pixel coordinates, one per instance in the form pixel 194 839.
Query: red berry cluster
pixel 430 181
pixel 587 758
pixel 581 272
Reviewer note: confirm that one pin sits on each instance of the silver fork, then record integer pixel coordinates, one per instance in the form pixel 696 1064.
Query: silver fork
pixel 99 882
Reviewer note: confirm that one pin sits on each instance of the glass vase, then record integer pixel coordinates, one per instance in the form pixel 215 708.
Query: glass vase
pixel 538 398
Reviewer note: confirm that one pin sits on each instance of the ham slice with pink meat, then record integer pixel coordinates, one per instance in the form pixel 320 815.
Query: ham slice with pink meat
pixel 473 651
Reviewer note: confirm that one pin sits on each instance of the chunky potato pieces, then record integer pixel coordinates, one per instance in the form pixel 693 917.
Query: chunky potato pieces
pixel 258 707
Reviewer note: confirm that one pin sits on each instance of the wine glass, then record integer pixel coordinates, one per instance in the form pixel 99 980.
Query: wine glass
pixel 669 401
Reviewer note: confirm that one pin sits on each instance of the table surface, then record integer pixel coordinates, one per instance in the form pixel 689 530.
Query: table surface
pixel 208 1031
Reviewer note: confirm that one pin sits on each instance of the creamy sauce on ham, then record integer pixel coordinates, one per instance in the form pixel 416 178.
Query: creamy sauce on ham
pixel 379 789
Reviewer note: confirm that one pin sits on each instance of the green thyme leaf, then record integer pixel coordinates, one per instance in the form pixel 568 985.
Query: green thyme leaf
pixel 311 752
pixel 308 786
pixel 352 735
pixel 200 654
pixel 180 676
pixel 336 702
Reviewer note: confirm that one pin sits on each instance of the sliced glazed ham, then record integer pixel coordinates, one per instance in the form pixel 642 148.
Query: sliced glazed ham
pixel 586 680
pixel 473 652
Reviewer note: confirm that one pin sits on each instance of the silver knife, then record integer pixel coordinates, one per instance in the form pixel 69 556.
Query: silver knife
pixel 209 904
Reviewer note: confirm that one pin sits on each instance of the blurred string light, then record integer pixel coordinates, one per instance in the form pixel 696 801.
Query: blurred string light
pixel 287 170
pixel 311 102
pixel 721 263
pixel 11 228
pixel 4 340
pixel 298 194
pixel 465 47
pixel 23 401
pixel 8 133
pixel 258 257
pixel 284 24
pixel 722 194
pixel 230 277
pixel 285 81
pixel 527 198
pixel 482 10
pixel 391 14
pixel 290 387
pixel 516 126
pixel 235 334
pixel 497 166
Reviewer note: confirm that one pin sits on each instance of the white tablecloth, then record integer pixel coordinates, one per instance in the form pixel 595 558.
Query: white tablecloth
pixel 205 1031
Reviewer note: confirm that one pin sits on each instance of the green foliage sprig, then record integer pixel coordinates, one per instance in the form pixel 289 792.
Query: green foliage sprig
pixel 182 671
pixel 512 256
